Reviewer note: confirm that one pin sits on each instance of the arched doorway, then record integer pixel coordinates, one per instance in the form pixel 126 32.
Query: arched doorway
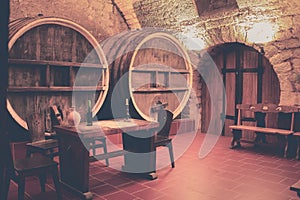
pixel 248 78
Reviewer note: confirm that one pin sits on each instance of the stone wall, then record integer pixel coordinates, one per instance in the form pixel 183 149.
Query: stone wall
pixel 232 25
pixel 101 18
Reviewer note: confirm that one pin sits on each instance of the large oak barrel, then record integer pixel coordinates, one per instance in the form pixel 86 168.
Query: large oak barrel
pixel 54 61
pixel 147 67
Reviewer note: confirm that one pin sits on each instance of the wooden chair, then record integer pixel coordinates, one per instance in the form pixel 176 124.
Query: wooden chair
pixel 99 142
pixel 165 118
pixel 18 170
pixel 38 143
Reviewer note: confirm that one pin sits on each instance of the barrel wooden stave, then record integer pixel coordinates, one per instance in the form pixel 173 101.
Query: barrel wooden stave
pixel 129 54
pixel 63 44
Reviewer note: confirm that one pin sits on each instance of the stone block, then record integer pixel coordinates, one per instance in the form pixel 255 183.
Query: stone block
pixel 281 57
pixel 283 67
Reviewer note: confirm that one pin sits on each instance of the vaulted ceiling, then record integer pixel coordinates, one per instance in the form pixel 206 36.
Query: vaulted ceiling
pixel 172 12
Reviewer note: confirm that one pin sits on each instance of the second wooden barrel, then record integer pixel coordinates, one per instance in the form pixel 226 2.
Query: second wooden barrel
pixel 54 61
pixel 148 67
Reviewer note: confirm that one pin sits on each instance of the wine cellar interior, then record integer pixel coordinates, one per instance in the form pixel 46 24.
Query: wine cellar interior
pixel 219 79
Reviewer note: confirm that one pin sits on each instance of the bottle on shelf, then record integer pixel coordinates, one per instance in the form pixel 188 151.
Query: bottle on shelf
pixel 48 122
pixel 89 116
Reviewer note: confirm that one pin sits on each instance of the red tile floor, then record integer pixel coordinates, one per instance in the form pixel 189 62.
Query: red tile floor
pixel 245 174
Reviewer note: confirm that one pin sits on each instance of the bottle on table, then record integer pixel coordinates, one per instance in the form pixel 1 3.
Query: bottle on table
pixel 89 115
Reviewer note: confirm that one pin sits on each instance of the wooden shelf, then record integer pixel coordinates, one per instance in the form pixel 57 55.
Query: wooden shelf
pixel 147 90
pixel 55 86
pixel 158 70
pixel 53 63
pixel 56 89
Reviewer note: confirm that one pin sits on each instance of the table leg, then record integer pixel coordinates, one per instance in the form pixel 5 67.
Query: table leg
pixel 74 174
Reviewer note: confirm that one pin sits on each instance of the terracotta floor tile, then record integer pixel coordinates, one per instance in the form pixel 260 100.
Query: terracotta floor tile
pixel 104 175
pixel 253 190
pixel 132 187
pixel 96 169
pixel 148 194
pixel 118 180
pixel 226 183
pixel 242 174
pixel 289 181
pixel 277 187
pixel 291 174
pixel 183 195
pixel 271 170
pixel 95 182
pixel 104 190
pixel 120 195
pixel 271 177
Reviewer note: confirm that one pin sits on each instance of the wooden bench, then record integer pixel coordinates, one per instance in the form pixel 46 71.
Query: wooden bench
pixel 260 128
pixel 296 187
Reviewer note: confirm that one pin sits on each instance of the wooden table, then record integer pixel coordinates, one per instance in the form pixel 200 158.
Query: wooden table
pixel 138 142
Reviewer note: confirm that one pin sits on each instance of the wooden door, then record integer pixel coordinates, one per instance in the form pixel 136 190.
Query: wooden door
pixel 248 78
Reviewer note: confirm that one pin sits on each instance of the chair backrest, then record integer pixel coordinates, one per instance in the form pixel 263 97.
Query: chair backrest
pixel 165 118
pixel 36 127
pixel 260 119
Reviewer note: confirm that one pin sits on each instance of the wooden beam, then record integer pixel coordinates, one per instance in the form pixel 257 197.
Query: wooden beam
pixel 4 19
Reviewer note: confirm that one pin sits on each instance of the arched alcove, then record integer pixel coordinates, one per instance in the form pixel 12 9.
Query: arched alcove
pixel 248 77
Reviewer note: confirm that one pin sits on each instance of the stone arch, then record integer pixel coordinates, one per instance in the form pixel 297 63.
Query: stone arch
pixel 126 9
pixel 224 26
pixel 283 53
pixel 250 78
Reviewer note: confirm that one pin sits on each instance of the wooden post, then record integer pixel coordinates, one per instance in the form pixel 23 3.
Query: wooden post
pixel 292 121
pixel 239 117
pixel 4 9
pixel 4 18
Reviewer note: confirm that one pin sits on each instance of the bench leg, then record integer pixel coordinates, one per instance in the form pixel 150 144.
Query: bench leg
pixel 282 144
pixel 292 146
pixel 260 137
pixel 298 139
pixel 237 135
